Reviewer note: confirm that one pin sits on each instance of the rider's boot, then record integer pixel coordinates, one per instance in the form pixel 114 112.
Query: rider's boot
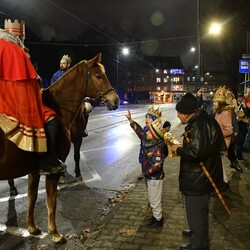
pixel 49 163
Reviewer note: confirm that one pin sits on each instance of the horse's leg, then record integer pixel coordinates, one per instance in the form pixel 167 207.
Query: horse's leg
pixel 13 190
pixel 51 190
pixel 77 145
pixel 77 132
pixel 33 183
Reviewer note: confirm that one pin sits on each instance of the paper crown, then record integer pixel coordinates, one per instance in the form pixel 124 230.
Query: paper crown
pixel 67 59
pixel 16 28
pixel 158 128
pixel 154 112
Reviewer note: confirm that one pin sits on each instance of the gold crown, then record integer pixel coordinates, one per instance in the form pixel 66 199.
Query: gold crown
pixel 154 112
pixel 67 59
pixel 17 28
pixel 220 95
pixel 157 129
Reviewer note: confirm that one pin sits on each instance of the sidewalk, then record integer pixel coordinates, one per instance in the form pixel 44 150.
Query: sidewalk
pixel 124 227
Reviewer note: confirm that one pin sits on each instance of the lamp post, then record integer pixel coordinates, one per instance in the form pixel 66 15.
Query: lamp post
pixel 214 29
pixel 199 70
pixel 125 51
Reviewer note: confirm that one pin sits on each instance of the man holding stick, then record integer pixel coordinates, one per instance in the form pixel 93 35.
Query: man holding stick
pixel 202 143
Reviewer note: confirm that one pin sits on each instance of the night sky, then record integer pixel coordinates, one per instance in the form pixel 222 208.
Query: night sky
pixel 159 27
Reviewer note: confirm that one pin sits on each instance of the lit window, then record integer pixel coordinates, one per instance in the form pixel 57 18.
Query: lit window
pixel 158 79
pixel 165 80
pixel 165 71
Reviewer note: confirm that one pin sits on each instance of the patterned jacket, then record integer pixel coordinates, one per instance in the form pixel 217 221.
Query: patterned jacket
pixel 153 154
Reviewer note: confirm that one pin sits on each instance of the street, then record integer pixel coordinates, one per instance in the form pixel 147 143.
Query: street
pixel 109 163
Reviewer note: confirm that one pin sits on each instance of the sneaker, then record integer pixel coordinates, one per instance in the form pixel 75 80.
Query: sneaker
pixel 235 165
pixel 53 169
pixel 153 222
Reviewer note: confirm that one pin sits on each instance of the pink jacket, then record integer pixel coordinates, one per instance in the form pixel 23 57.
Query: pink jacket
pixel 225 121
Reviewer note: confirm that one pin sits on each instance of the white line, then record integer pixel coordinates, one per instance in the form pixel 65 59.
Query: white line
pixel 42 191
pixel 91 169
pixel 18 231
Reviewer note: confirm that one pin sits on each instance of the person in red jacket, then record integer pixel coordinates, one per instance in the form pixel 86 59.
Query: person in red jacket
pixel 21 100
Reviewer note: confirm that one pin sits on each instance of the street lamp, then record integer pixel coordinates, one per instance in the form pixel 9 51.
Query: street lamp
pixel 215 29
pixel 124 51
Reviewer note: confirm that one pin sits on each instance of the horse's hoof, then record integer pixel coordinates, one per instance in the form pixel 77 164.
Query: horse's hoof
pixel 13 192
pixel 59 239
pixel 34 231
pixel 79 179
pixel 62 180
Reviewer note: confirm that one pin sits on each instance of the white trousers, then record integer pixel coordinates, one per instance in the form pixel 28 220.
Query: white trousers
pixel 155 196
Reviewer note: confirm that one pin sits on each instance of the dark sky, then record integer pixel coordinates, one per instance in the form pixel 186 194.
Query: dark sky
pixel 170 25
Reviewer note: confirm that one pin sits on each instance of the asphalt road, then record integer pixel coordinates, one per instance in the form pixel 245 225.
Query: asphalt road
pixel 109 166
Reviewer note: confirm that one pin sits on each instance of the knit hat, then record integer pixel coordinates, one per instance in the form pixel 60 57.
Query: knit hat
pixel 158 128
pixel 154 113
pixel 188 104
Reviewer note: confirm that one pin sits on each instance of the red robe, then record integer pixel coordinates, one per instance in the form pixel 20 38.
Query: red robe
pixel 21 100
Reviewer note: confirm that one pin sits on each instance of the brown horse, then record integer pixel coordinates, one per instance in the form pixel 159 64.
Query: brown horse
pixel 87 78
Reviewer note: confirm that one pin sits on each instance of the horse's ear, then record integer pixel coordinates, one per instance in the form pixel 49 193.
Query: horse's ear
pixel 99 57
pixel 95 60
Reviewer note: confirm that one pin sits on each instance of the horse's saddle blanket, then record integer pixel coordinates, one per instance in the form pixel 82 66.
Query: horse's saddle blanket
pixel 6 124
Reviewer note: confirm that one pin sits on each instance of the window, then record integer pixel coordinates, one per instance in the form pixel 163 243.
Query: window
pixel 158 79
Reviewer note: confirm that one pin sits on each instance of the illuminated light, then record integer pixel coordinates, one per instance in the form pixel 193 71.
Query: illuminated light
pixel 215 28
pixel 193 49
pixel 125 51
pixel 157 70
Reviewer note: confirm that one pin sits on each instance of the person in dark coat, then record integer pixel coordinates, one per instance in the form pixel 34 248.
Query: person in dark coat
pixel 203 142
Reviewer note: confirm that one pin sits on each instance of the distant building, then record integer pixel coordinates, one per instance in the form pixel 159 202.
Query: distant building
pixel 163 79
pixel 156 77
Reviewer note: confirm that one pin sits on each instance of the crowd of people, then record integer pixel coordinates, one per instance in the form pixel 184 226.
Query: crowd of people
pixel 215 129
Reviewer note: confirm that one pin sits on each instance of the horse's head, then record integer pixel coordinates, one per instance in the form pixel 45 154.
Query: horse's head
pixel 100 86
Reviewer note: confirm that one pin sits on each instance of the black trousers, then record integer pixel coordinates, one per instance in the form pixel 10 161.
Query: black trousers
pixel 197 209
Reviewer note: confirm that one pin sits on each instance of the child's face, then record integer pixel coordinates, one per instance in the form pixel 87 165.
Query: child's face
pixel 148 119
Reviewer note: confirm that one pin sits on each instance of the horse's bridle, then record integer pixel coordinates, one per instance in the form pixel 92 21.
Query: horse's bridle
pixel 99 94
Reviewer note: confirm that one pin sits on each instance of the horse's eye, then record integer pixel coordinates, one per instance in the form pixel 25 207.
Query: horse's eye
pixel 98 77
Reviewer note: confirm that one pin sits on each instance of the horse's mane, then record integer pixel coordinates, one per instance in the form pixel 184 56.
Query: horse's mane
pixel 68 77
pixel 62 83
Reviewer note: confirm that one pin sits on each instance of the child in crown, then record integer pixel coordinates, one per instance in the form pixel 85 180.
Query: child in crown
pixel 154 152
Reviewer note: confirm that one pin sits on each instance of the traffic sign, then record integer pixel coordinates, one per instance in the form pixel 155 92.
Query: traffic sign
pixel 244 66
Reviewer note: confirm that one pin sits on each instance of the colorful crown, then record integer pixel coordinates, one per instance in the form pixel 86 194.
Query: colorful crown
pixel 67 59
pixel 17 28
pixel 154 112
pixel 157 128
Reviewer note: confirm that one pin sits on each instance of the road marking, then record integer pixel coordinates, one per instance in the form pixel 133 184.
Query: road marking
pixel 42 191
pixel 96 177
pixel 20 232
